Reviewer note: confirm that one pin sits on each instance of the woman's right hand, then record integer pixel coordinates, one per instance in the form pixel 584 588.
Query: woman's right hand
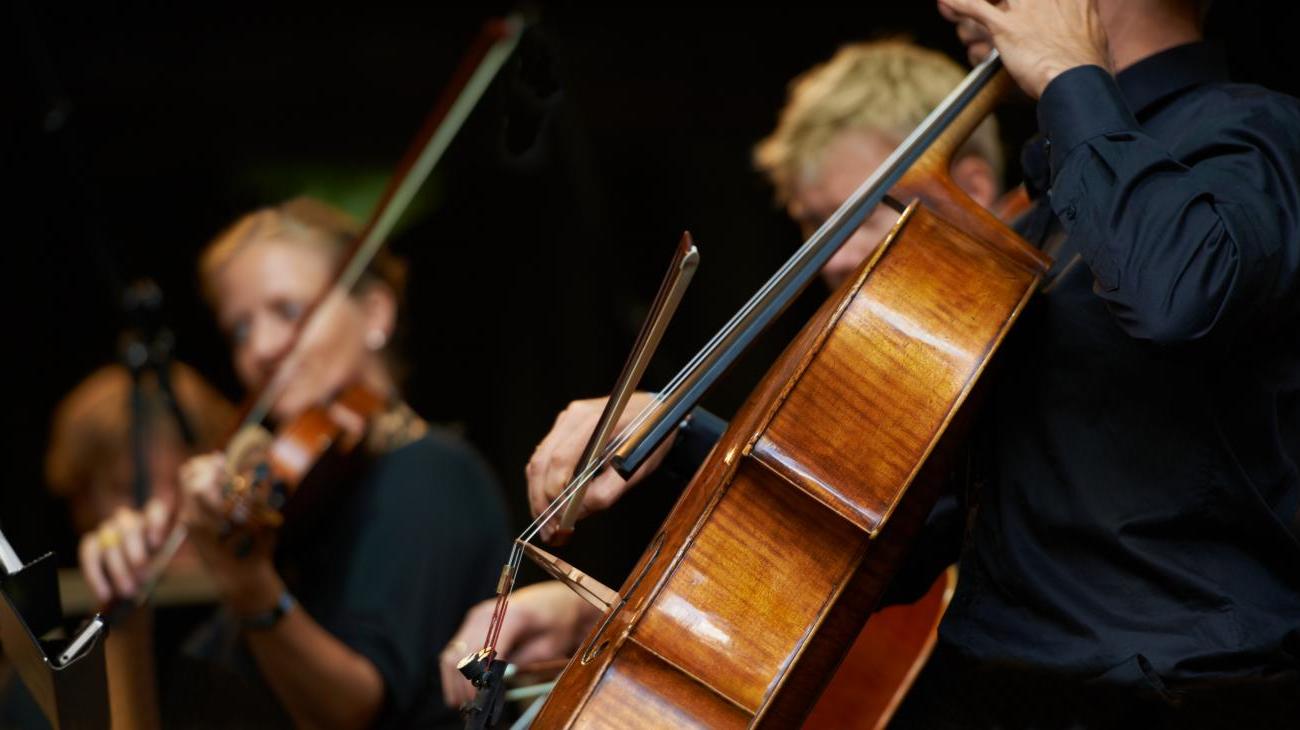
pixel 115 556
pixel 556 457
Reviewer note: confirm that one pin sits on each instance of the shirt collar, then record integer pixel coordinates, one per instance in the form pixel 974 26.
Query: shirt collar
pixel 1156 78
pixel 1143 85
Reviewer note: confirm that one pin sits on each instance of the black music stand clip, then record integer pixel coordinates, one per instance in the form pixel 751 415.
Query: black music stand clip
pixel 70 686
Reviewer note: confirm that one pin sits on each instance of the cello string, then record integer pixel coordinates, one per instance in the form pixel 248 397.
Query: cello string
pixel 851 211
pixel 794 273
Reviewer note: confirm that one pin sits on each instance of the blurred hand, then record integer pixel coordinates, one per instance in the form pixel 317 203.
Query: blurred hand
pixel 553 462
pixel 236 549
pixel 1038 40
pixel 115 556
pixel 545 621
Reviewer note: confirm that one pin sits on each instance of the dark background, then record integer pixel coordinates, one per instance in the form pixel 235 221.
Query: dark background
pixel 133 133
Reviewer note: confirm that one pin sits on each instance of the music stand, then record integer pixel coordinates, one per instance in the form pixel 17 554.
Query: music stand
pixel 70 688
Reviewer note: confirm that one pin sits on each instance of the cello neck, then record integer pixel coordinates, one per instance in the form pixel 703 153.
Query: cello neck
pixel 942 151
pixel 934 141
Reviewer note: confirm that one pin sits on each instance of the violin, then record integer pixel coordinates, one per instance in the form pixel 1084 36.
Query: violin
pixel 276 478
pixel 744 604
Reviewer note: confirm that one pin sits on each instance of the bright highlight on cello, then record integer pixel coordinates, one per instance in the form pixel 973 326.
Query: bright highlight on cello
pixel 1030 459
pixel 1086 540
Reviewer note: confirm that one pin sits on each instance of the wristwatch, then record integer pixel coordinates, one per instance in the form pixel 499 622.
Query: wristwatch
pixel 267 619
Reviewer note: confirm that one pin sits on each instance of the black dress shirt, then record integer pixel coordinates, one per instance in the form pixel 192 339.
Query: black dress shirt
pixel 1140 522
pixel 1138 529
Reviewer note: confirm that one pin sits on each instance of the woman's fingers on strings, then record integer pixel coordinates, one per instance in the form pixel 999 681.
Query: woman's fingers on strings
pixel 119 573
pixel 157 514
pixel 130 525
pixel 92 566
pixel 204 504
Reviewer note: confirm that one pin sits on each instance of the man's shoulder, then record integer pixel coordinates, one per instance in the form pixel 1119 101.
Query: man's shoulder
pixel 1247 102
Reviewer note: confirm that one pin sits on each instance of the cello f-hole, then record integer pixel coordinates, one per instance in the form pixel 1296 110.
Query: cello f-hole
pixel 596 645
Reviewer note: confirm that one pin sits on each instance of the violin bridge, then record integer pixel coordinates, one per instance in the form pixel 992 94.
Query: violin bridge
pixel 591 590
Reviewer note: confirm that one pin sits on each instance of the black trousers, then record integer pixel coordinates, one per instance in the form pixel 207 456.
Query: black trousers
pixel 954 693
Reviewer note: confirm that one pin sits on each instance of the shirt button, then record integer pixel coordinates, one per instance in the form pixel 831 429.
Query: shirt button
pixel 1069 213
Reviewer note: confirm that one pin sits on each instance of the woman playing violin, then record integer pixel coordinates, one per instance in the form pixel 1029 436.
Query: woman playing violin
pixel 335 621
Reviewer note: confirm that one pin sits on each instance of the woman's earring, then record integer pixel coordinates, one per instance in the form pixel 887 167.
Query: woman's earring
pixel 376 339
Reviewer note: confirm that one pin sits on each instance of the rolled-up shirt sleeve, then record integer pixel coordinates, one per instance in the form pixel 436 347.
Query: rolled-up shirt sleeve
pixel 1184 242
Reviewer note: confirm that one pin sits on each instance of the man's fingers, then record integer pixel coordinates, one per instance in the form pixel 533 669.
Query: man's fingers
pixel 977 52
pixel 570 436
pixel 947 12
pixel 603 492
pixel 981 10
pixel 968 32
pixel 553 462
pixel 536 472
pixel 537 468
pixel 552 465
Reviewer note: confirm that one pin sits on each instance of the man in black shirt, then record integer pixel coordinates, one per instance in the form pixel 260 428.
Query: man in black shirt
pixel 1134 556
pixel 1139 528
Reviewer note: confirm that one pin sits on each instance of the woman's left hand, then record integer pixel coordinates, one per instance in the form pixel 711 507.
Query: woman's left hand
pixel 236 549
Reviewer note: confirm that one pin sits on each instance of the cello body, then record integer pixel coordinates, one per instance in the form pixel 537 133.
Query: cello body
pixel 884 661
pixel 762 576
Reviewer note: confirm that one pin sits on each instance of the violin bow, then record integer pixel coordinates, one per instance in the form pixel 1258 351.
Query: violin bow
pixel 489 53
pixel 482 667
pixel 680 272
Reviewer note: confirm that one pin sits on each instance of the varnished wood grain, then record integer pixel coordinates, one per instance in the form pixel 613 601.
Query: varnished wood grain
pixel 772 551
pixel 869 684
pixel 641 690
pixel 833 435
pixel 788 535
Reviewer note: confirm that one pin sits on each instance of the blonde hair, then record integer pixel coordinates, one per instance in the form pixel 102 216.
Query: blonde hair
pixel 883 86
pixel 301 219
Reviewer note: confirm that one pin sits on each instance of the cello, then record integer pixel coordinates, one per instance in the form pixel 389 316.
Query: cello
pixel 747 599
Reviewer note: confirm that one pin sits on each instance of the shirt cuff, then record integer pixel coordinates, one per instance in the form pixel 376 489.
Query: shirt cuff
pixel 695 439
pixel 1078 105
